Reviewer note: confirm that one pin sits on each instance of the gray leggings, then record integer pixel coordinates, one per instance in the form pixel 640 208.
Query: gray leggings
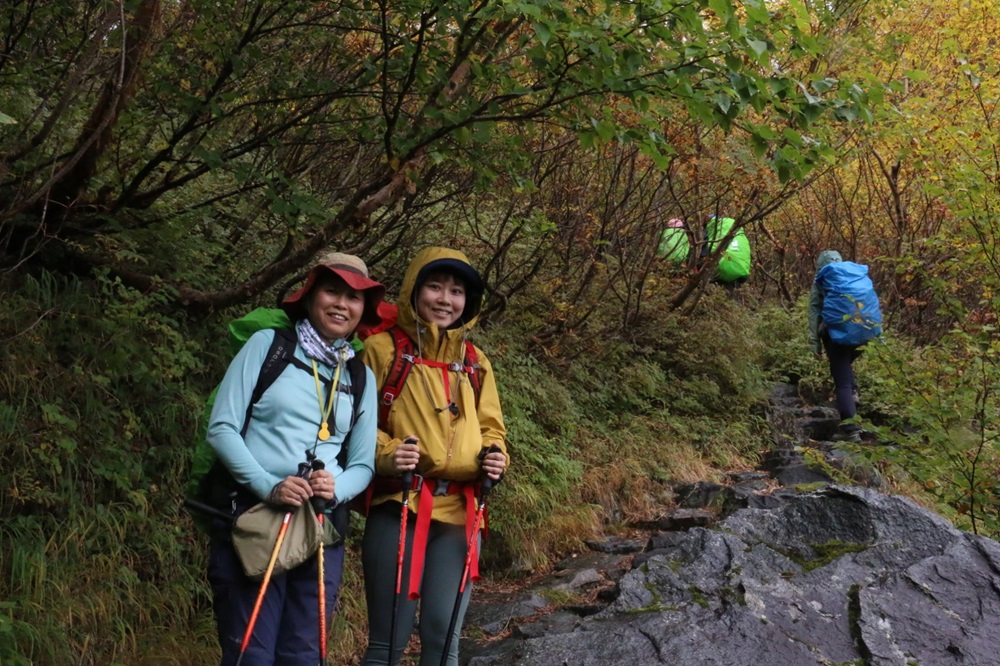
pixel 443 565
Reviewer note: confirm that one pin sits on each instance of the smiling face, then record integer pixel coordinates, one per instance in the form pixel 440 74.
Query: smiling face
pixel 334 308
pixel 441 299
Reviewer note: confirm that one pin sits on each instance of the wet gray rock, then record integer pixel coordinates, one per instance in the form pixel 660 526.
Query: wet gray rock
pixel 699 495
pixel 768 577
pixel 678 519
pixel 615 545
pixel 555 624
pixel 750 481
pixel 582 579
pixel 788 466
pixel 841 575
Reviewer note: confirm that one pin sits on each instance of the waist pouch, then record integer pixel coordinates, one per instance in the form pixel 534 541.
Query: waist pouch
pixel 256 531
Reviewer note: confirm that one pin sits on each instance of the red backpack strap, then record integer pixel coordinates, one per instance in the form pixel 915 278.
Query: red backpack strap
pixel 473 370
pixel 402 363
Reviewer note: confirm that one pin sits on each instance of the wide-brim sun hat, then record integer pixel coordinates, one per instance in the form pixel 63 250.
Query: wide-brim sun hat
pixel 350 269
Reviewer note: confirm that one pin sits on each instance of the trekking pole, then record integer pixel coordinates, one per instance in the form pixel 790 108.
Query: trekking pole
pixel 407 479
pixel 303 471
pixel 319 504
pixel 485 488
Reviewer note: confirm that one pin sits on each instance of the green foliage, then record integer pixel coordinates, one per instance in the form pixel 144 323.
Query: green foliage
pixel 787 356
pixel 939 409
pixel 96 565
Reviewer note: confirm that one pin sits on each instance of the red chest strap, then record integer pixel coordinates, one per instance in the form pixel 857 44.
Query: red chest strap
pixel 404 360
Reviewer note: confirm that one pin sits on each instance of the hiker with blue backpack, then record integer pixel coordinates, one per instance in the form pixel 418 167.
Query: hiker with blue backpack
pixel 844 315
pixel 441 445
pixel 284 464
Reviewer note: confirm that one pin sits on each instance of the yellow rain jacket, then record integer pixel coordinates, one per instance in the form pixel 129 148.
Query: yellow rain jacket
pixel 449 445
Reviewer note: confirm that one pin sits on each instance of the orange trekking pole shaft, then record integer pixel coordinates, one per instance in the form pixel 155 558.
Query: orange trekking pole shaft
pixel 401 551
pixel 319 504
pixel 263 585
pixel 400 556
pixel 473 542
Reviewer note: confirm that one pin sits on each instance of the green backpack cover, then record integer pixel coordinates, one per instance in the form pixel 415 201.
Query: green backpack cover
pixel 735 261
pixel 674 245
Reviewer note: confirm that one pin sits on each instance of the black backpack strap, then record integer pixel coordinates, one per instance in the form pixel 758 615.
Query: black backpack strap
pixel 357 371
pixel 279 355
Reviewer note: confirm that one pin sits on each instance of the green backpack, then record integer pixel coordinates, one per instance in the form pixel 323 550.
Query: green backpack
pixel 674 245
pixel 210 484
pixel 735 261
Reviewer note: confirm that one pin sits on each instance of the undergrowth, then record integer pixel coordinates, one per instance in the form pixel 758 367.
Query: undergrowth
pixel 99 399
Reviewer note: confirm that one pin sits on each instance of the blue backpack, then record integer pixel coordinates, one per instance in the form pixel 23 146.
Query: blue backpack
pixel 850 305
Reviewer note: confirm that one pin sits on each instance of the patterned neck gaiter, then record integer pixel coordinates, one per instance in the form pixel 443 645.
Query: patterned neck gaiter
pixel 315 347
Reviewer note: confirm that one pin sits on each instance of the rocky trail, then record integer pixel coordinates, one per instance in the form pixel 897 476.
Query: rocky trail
pixel 810 573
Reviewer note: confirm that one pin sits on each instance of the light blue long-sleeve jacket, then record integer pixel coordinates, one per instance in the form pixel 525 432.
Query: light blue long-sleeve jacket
pixel 286 421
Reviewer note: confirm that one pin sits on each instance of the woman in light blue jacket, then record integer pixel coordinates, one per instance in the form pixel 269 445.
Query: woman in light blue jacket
pixel 302 411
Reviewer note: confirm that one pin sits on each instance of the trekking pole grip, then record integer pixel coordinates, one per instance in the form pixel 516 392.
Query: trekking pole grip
pixel 487 483
pixel 407 476
pixel 319 504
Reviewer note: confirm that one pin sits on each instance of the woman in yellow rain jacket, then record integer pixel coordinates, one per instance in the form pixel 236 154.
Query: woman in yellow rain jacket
pixel 442 423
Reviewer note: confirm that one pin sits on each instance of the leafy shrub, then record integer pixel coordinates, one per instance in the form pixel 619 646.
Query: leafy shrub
pixel 939 408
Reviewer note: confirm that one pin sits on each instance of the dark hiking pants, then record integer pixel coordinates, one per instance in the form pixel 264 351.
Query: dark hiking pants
pixel 443 566
pixel 845 386
pixel 287 628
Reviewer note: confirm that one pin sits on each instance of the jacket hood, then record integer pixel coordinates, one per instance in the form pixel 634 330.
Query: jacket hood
pixel 827 257
pixel 432 259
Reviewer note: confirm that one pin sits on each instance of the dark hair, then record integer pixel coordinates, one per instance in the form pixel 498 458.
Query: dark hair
pixel 461 273
pixel 439 272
